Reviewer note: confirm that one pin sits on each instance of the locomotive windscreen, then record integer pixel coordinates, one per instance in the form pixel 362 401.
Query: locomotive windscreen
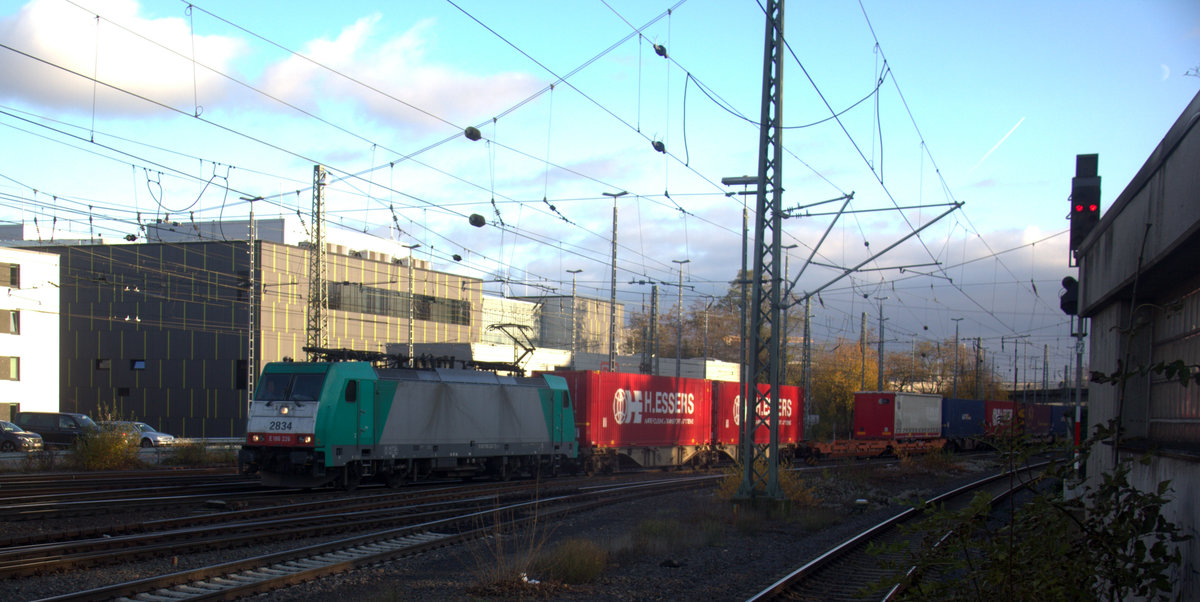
pixel 289 387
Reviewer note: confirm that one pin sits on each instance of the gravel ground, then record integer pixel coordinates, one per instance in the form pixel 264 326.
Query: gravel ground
pixel 682 546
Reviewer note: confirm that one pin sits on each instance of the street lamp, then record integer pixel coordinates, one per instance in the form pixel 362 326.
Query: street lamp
pixel 679 330
pixel 747 414
pixel 411 294
pixel 574 313
pixel 612 310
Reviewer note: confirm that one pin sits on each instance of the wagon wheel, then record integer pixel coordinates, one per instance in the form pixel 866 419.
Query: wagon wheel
pixel 350 476
pixel 393 479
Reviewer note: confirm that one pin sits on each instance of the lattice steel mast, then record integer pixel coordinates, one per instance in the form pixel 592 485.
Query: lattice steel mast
pixel 765 340
pixel 318 291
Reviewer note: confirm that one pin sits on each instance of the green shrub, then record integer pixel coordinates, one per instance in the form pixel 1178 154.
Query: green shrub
pixel 104 450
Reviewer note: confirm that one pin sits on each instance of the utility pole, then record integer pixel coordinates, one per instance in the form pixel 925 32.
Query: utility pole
pixel 657 368
pixel 787 275
pixel 879 381
pixel 612 310
pixel 807 364
pixel 574 316
pixel 978 368
pixel 679 330
pixel 862 348
pixel 956 321
pixel 1045 373
pixel 744 451
pixel 318 291
pixel 252 298
pixel 411 302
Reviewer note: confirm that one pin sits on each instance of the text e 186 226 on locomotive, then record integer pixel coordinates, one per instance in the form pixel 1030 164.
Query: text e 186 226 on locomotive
pixel 337 423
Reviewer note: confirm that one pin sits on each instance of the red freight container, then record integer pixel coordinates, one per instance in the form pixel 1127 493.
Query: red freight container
pixel 614 409
pixel 1037 420
pixel 887 415
pixel 1001 416
pixel 729 408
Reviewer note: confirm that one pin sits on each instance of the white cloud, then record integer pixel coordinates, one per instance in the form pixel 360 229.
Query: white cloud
pixel 399 67
pixel 148 57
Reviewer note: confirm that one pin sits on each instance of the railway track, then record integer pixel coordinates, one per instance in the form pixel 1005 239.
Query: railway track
pixel 112 544
pixel 844 572
pixel 424 530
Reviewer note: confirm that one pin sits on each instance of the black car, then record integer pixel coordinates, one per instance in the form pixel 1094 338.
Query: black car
pixel 58 429
pixel 14 438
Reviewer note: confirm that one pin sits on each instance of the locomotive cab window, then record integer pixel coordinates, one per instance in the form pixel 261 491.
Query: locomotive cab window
pixel 352 391
pixel 290 387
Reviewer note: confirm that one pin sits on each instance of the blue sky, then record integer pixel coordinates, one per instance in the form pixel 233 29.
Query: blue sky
pixel 981 103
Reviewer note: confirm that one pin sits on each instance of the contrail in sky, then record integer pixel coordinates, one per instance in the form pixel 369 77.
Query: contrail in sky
pixel 993 149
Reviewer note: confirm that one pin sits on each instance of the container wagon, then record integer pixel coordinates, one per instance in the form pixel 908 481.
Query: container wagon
pixel 639 419
pixel 963 423
pixel 727 434
pixel 887 423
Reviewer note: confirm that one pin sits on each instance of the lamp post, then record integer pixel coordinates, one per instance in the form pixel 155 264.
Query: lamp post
pixel 574 313
pixel 411 299
pixel 612 309
pixel 747 444
pixel 679 329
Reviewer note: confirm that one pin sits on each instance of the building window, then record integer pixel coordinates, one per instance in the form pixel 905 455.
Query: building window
pixel 10 275
pixel 104 364
pixel 1172 415
pixel 10 321
pixel 10 368
pixel 137 364
pixel 382 302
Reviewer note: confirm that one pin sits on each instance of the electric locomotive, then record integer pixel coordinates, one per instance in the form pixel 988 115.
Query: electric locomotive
pixel 312 424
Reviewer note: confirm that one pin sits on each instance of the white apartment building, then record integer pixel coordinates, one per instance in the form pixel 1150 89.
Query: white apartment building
pixel 29 331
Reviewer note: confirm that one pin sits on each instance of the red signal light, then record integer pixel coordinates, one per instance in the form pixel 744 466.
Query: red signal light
pixel 1093 207
pixel 1078 208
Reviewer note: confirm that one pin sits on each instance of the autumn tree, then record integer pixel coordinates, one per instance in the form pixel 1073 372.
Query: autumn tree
pixel 838 370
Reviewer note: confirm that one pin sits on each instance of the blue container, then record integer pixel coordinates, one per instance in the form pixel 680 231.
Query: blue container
pixel 1062 419
pixel 962 422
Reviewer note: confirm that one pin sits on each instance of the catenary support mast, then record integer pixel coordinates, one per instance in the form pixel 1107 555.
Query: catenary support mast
pixel 318 293
pixel 760 468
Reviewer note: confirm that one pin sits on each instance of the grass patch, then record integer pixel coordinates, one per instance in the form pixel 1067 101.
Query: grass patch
pixel 503 560
pixel 940 461
pixel 197 454
pixel 573 561
pixel 795 491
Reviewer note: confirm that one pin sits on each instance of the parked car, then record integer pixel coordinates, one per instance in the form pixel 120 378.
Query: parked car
pixel 58 429
pixel 140 433
pixel 15 438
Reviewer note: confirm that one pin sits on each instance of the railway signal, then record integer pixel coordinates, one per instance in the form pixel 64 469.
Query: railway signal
pixel 1069 299
pixel 1085 198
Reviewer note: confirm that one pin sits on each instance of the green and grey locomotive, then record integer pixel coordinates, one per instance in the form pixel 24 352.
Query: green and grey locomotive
pixel 312 424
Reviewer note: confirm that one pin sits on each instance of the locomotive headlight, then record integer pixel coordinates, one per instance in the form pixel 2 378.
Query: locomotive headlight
pixel 306 439
pixel 256 438
pixel 284 410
